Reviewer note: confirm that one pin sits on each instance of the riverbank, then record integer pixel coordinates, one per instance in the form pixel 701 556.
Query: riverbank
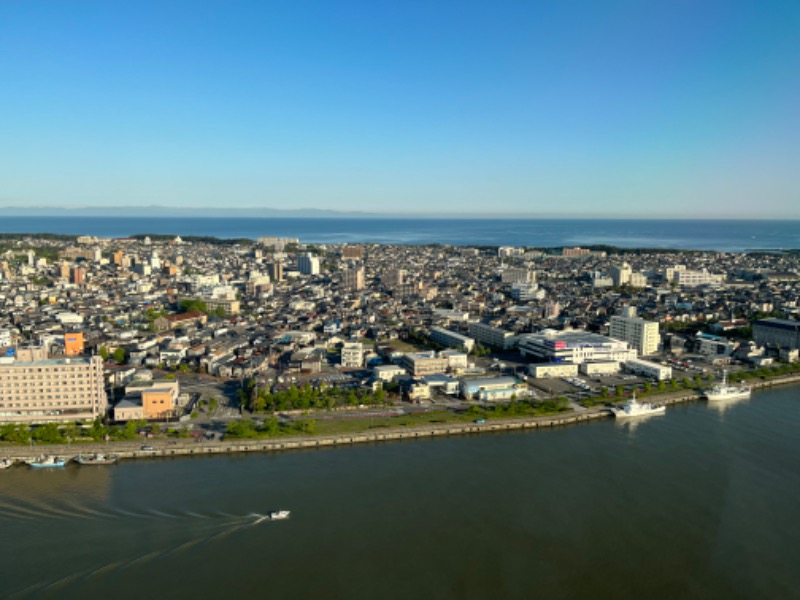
pixel 178 448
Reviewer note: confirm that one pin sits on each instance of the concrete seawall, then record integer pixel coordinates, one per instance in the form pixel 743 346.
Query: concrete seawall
pixel 192 448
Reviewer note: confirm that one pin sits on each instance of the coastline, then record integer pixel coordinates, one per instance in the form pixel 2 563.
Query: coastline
pixel 128 450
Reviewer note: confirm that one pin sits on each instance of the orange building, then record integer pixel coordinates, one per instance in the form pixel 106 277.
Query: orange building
pixel 148 400
pixel 73 344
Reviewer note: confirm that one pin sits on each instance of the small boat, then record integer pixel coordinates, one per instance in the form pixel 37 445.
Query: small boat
pixel 47 462
pixel 97 459
pixel 277 515
pixel 632 408
pixel 5 463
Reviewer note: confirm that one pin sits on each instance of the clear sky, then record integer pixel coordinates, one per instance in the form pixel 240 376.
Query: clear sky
pixel 586 108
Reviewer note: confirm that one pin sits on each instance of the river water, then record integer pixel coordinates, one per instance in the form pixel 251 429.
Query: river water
pixel 698 503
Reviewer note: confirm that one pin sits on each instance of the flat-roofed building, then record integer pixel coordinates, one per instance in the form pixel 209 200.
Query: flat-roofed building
pixel 492 389
pixel 518 275
pixel 573 347
pixel 451 339
pixel 419 364
pixel 777 332
pixel 36 389
pixel 492 336
pixel 648 369
pixel 640 334
pixel 539 370
pixel 353 278
pixel 353 355
pixel 353 252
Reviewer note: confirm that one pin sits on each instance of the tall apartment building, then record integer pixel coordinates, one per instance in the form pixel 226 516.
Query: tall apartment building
pixel 275 271
pixel 621 274
pixel 37 389
pixel 393 277
pixel 308 264
pixel 277 243
pixel 525 292
pixel 76 276
pixel 640 334
pixel 518 275
pixel 353 278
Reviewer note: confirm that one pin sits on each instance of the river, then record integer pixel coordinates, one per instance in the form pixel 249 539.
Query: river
pixel 698 503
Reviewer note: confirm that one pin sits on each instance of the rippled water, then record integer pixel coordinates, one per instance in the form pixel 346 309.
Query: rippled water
pixel 698 503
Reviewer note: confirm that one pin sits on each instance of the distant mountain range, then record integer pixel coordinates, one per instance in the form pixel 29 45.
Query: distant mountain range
pixel 171 211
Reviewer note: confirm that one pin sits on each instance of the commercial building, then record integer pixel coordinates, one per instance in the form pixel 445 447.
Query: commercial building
pixel 599 368
pixel 648 369
pixel 573 347
pixel 451 339
pixel 492 389
pixel 73 344
pixel 777 332
pixel 419 364
pixel 37 389
pixel 640 334
pixel 714 346
pixel 492 336
pixel 147 399
pixel 539 370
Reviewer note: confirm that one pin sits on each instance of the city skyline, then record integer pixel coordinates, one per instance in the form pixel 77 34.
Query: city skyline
pixel 616 110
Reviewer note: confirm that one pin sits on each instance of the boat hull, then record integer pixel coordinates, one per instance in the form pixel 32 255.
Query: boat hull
pixel 740 395
pixel 621 414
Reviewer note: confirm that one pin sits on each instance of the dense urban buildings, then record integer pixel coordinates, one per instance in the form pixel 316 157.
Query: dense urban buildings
pixel 279 312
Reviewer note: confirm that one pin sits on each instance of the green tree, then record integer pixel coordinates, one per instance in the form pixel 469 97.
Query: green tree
pixel 16 434
pixel 194 305
pixel 48 433
pixel 119 356
pixel 98 431
pixel 103 352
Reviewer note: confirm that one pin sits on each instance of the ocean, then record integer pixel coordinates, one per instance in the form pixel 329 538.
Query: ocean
pixel 698 503
pixel 726 236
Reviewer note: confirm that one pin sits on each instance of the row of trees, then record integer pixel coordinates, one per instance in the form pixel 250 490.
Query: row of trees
pixel 520 408
pixel 271 427
pixel 307 398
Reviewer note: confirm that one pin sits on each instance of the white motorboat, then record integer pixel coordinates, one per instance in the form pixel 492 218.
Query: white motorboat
pixel 276 515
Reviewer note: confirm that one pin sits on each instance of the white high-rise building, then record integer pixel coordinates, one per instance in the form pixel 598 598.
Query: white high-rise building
pixel 308 264
pixel 640 334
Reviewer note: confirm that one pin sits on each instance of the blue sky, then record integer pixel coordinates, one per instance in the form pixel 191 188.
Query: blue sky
pixel 584 108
